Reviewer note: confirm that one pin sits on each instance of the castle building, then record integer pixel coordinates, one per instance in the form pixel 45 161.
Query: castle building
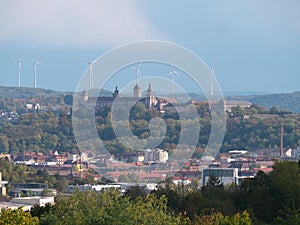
pixel 120 102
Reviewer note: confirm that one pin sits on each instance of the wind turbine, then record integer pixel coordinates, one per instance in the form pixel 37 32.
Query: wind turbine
pixel 138 72
pixel 90 71
pixel 34 66
pixel 172 74
pixel 18 61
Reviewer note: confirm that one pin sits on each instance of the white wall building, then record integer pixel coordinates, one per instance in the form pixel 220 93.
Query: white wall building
pixel 225 175
pixel 156 155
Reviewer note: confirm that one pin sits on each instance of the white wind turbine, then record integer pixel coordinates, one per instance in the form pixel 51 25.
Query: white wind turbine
pixel 18 61
pixel 137 72
pixel 34 67
pixel 172 74
pixel 90 71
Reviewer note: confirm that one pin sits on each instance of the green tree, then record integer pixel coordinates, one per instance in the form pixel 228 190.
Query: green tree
pixel 39 211
pixel 219 219
pixel 135 191
pixel 4 146
pixel 110 208
pixel 286 180
pixel 17 217
pixel 274 110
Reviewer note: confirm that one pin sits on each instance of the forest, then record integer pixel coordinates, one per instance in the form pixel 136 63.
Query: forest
pixel 285 101
pixel 49 130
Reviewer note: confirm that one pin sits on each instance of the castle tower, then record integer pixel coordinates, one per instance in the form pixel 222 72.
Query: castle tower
pixel 85 95
pixel 151 101
pixel 116 92
pixel 150 91
pixel 137 91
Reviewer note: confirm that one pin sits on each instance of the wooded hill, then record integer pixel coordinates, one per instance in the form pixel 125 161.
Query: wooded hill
pixel 286 101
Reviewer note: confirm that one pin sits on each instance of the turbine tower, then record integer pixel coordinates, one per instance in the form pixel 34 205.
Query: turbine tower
pixel 137 92
pixel 211 80
pixel 18 61
pixel 172 74
pixel 34 67
pixel 90 71
pixel 137 72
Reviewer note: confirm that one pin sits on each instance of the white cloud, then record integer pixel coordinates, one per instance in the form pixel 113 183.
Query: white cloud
pixel 73 22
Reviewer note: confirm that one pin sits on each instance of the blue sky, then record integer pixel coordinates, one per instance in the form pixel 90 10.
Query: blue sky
pixel 254 45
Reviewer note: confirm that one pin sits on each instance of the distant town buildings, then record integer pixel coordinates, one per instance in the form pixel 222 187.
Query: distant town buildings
pixel 156 155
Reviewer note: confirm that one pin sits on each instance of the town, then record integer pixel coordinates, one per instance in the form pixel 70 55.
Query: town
pixel 148 169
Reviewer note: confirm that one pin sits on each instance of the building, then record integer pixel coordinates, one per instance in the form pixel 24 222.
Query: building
pixel 26 203
pixel 229 104
pixel 2 187
pixel 156 155
pixel 225 175
pixel 31 189
pixel 93 187
pixel 122 103
pixel 137 91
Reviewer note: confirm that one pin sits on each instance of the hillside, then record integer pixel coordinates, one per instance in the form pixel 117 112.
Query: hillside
pixel 29 93
pixel 287 101
pixel 25 92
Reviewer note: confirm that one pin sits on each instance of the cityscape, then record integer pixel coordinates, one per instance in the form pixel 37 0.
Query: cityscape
pixel 142 112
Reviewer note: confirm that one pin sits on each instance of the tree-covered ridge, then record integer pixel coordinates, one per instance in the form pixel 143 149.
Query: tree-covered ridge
pixel 27 93
pixel 49 130
pixel 286 101
pixel 38 131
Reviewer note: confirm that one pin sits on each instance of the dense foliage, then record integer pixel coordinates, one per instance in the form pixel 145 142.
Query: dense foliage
pixel 52 130
pixel 109 207
pixel 38 131
pixel 287 101
pixel 17 217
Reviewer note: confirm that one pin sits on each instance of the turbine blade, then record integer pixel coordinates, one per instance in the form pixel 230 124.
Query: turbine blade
pixel 85 59
pixel 175 72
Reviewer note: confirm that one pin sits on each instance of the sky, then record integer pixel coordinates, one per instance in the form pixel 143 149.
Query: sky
pixel 254 45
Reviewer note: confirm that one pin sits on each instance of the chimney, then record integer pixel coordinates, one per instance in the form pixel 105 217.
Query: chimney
pixel 281 140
